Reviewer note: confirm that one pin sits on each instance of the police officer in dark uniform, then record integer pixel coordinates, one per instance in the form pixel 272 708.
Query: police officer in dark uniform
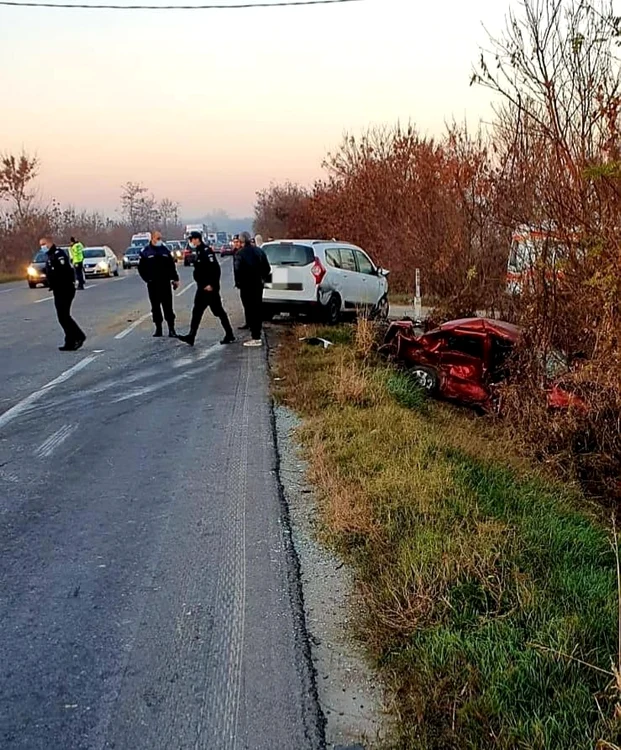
pixel 61 281
pixel 157 269
pixel 207 277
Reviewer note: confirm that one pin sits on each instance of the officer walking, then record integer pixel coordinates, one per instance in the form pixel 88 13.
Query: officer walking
pixel 207 277
pixel 252 270
pixel 76 253
pixel 61 281
pixel 157 269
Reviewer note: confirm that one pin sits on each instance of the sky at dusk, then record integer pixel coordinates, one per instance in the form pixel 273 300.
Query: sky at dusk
pixel 207 107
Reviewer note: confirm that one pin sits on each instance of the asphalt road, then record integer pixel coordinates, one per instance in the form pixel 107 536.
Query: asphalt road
pixel 148 593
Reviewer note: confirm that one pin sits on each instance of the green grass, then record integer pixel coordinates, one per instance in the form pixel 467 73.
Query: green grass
pixel 405 390
pixel 480 577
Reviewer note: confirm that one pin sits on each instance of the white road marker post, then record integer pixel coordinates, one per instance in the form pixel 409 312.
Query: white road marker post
pixel 418 308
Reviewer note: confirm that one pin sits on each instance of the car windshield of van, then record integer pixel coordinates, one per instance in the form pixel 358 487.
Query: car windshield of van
pixel 40 257
pixel 95 252
pixel 285 254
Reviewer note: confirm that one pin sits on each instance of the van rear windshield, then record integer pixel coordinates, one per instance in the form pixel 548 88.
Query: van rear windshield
pixel 288 254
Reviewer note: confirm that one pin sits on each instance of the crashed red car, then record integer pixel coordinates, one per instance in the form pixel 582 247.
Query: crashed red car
pixel 462 360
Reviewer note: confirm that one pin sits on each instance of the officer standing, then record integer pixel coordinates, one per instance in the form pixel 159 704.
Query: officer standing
pixel 207 277
pixel 252 270
pixel 76 253
pixel 157 269
pixel 61 281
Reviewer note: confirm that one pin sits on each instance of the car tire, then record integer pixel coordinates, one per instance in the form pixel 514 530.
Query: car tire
pixel 268 315
pixel 333 310
pixel 427 378
pixel 382 309
pixel 32 285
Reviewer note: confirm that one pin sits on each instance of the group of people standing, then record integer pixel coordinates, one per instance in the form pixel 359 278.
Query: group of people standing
pixel 157 268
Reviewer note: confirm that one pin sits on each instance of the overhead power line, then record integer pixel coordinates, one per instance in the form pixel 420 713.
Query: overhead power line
pixel 279 4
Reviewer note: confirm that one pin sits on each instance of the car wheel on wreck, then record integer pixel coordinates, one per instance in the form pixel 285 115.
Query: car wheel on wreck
pixel 427 378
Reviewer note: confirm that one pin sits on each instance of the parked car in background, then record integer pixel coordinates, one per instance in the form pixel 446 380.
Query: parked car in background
pixel 189 256
pixel 324 279
pixel 176 249
pixel 100 261
pixel 227 249
pixel 131 257
pixel 35 273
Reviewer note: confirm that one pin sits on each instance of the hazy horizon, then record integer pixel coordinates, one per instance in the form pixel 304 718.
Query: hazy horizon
pixel 207 107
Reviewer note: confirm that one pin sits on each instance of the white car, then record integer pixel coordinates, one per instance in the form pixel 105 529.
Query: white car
pixel 100 261
pixel 324 279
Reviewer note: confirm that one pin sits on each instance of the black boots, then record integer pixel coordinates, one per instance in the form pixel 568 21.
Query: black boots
pixel 158 332
pixel 187 339
pixel 228 338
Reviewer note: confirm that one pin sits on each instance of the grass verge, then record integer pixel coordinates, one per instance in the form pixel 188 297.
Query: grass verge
pixel 490 593
pixel 5 278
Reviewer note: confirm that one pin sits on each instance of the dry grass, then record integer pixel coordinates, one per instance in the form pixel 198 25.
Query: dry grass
pixel 465 560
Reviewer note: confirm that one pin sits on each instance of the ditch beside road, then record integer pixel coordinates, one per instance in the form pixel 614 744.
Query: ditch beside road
pixel 486 590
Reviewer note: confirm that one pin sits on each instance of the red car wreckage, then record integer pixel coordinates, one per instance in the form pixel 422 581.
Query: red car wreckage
pixel 463 360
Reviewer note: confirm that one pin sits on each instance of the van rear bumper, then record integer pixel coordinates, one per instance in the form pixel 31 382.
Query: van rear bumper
pixel 275 306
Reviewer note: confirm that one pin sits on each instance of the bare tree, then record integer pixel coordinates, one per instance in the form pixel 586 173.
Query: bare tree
pixel 16 174
pixel 168 213
pixel 553 67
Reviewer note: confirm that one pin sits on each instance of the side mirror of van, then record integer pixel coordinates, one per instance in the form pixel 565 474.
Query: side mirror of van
pixel 382 272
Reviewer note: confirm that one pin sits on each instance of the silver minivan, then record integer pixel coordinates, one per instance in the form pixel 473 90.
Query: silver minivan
pixel 324 279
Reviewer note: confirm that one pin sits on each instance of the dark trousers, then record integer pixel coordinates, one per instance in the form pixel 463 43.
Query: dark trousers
pixel 211 300
pixel 160 296
pixel 252 300
pixel 79 272
pixel 62 302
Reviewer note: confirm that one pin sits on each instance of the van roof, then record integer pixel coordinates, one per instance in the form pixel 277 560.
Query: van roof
pixel 340 243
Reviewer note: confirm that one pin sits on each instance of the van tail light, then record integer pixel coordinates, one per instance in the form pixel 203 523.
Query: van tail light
pixel 318 271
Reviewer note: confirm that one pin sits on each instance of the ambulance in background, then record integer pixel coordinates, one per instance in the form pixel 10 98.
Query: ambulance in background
pixel 141 239
pixel 537 250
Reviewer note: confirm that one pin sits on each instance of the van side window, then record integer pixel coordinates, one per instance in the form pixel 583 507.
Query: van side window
pixel 348 260
pixel 364 264
pixel 333 257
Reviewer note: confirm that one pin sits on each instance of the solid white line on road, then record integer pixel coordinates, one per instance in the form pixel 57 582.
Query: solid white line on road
pixel 44 299
pixel 23 405
pixel 131 327
pixel 58 438
pixel 185 289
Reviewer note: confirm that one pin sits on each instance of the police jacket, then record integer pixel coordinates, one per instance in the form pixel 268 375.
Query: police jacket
pixel 251 267
pixel 206 268
pixel 156 265
pixel 58 270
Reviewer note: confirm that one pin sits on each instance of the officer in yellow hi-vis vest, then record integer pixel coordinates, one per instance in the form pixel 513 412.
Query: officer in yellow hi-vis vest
pixel 76 253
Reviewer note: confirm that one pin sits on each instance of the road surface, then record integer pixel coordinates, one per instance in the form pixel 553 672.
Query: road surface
pixel 148 594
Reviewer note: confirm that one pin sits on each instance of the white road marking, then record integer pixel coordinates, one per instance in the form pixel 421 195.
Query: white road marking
pixel 25 403
pixel 5 291
pixel 131 327
pixel 209 351
pixel 44 299
pixel 186 361
pixel 58 438
pixel 185 289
